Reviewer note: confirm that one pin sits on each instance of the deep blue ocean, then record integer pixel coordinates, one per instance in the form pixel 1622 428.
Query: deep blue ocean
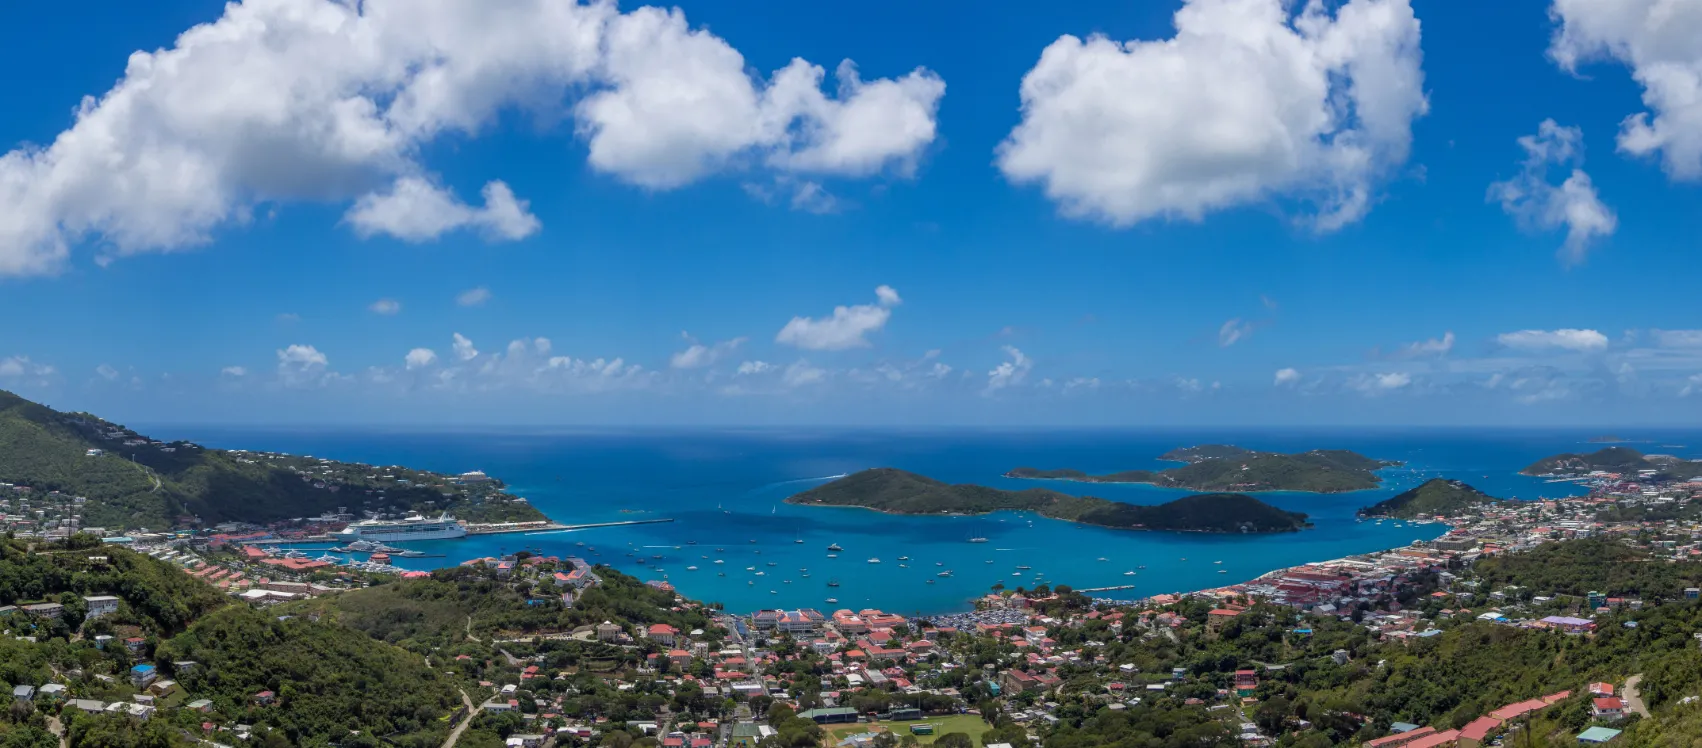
pixel 724 489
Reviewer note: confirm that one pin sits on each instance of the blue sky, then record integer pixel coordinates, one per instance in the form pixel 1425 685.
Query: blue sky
pixel 420 213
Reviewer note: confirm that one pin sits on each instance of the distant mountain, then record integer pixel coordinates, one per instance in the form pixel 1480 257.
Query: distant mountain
pixel 1437 496
pixel 1221 467
pixel 133 481
pixel 900 492
pixel 1615 460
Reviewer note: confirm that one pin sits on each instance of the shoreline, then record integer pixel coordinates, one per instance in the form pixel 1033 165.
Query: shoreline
pixel 1088 481
pixel 1307 526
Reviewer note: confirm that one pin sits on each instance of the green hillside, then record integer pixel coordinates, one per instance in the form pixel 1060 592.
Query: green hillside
pixel 901 492
pixel 1437 496
pixel 1615 460
pixel 139 482
pixel 1220 467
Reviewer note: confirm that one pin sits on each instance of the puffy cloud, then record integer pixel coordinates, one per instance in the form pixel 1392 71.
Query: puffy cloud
pixel 1287 376
pixel 1661 41
pixel 1245 103
pixel 1426 348
pixel 801 373
pixel 1582 341
pixel 846 328
pixel 1382 382
pixel 464 349
pixel 300 365
pixel 1678 338
pixel 698 355
pixel 107 372
pixel 385 306
pixel 1009 373
pixel 419 358
pixel 415 210
pixel 473 296
pixel 17 367
pixel 755 367
pixel 1538 204
pixel 234 371
pixel 1232 331
pixel 323 100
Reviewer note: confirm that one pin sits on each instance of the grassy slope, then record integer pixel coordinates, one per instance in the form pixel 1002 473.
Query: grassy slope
pixel 1215 467
pixel 1615 460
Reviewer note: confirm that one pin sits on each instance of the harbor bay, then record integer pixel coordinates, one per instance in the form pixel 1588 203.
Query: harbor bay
pixel 726 491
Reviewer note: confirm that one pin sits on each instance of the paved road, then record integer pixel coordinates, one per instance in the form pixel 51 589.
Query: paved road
pixel 455 734
pixel 1633 698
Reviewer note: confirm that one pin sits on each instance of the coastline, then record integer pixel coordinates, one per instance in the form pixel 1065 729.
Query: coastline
pixel 1196 489
pixel 1306 526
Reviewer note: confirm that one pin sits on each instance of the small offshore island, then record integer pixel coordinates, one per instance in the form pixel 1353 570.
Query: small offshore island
pixel 1437 497
pixel 1223 467
pixel 896 491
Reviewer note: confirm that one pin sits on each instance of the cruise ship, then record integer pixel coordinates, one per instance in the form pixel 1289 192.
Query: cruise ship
pixel 412 528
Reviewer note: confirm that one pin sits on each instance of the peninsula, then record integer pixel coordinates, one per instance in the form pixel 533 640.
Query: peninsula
pixel 1623 460
pixel 1436 497
pixel 117 479
pixel 1223 467
pixel 899 492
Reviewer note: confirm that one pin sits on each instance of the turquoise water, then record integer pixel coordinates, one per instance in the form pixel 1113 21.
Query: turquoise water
pixel 726 490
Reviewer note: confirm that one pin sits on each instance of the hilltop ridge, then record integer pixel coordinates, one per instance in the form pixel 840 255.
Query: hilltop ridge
pixel 1223 467
pixel 130 480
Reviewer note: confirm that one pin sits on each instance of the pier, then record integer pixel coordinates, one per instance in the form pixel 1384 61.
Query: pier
pixel 554 527
pixel 1113 588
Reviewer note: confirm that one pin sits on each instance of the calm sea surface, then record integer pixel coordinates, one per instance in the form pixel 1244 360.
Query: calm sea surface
pixel 725 491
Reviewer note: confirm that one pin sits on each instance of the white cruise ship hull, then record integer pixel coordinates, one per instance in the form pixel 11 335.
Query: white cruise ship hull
pixel 402 534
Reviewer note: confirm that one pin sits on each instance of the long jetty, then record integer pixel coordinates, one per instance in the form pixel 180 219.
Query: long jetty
pixel 1107 589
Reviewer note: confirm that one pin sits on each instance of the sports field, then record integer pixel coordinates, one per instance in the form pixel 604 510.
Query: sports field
pixel 965 723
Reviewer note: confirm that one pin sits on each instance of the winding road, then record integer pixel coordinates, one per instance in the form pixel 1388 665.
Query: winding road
pixel 1633 698
pixel 455 734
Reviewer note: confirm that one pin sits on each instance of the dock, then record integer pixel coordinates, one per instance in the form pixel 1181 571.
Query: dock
pixel 553 526
pixel 1107 589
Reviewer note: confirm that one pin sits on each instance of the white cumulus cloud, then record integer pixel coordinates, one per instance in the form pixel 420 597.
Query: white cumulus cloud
pixel 1009 373
pixel 1540 205
pixel 234 371
pixel 300 365
pixel 1582 341
pixel 698 355
pixel 1661 41
pixel 280 101
pixel 755 367
pixel 385 307
pixel 1233 331
pixel 801 373
pixel 464 349
pixel 1678 338
pixel 420 357
pixel 415 210
pixel 1287 376
pixel 847 327
pixel 1247 102
pixel 1426 348
pixel 107 372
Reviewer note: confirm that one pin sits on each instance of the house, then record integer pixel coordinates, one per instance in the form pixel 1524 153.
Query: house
pixel 831 715
pixel 135 644
pixel 1216 619
pixel 525 741
pixel 1608 708
pixel 608 632
pixel 1601 689
pixel 679 658
pixel 1478 731
pixel 1401 738
pixel 45 610
pixel 88 706
pixel 265 697
pixel 142 675
pixel 1246 682
pixel 200 705
pixel 51 692
pixel 100 605
pixel 663 633
pixel 1597 735
pixel 23 693
pixel 1570 625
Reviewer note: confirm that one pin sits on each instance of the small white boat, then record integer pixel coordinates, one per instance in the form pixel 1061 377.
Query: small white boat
pixel 833 600
pixel 762 573
pixel 833 555
pixel 1102 558
pixel 904 558
pixel 874 560
pixel 719 561
pixel 1128 573
pixel 691 568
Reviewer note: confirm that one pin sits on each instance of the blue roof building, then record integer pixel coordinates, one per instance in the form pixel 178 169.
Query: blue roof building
pixel 1597 735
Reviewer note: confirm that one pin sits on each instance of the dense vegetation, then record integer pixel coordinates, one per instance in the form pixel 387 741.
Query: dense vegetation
pixel 1437 496
pixel 901 492
pixel 156 596
pixel 146 485
pixel 1622 460
pixel 1217 467
pixel 329 680
pixel 1591 565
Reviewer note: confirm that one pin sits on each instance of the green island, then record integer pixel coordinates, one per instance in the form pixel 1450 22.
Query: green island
pixel 128 480
pixel 1435 497
pixel 900 492
pixel 1223 467
pixel 1623 460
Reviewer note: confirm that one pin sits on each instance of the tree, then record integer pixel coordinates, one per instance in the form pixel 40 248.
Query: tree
pixel 954 740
